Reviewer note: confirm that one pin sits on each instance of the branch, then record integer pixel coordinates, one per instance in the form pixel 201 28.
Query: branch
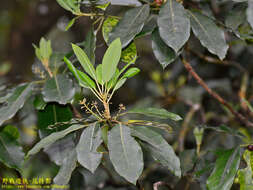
pixel 243 119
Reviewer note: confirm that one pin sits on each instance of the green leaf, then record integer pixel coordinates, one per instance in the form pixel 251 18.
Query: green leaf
pixel 104 6
pixel 107 27
pixel 245 175
pixel 87 154
pixel 129 54
pixel 52 114
pixel 120 83
pixel 86 79
pixel 159 148
pixel 64 4
pixel 99 74
pixel 39 103
pixel 174 25
pixel 111 59
pixel 58 89
pixel 11 131
pixel 84 60
pixel 250 13
pixel 68 166
pixel 49 140
pixel 104 131
pixel 113 80
pixel 126 3
pixel 12 154
pixel 225 169
pixel 90 45
pixel 209 34
pixel 156 112
pixel 69 5
pixel 131 72
pixel 45 49
pixel 149 26
pixel 15 102
pixel 125 153
pixel 70 24
pixel 130 25
pixel 74 71
pixel 164 54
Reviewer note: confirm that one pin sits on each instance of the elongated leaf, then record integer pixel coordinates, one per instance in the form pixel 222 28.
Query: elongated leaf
pixel 47 141
pixel 53 113
pixel 87 154
pixel 130 25
pixel 15 102
pixel 69 5
pixel 58 89
pixel 68 166
pixel 250 13
pixel 111 59
pixel 225 170
pixel 209 34
pixel 60 149
pixel 120 83
pixel 86 79
pixel 99 74
pixel 125 153
pixel 160 149
pixel 156 112
pixel 90 45
pixel 126 3
pixel 64 4
pixel 70 24
pixel 71 67
pixel 84 60
pixel 12 154
pixel 131 72
pixel 113 80
pixel 174 24
pixel 164 54
pixel 149 26
pixel 245 175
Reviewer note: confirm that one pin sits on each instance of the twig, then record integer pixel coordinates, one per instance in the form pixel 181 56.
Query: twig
pixel 185 126
pixel 243 119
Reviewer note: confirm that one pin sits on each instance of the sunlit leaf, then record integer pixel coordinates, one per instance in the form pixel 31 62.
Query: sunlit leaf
pixel 111 59
pixel 225 169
